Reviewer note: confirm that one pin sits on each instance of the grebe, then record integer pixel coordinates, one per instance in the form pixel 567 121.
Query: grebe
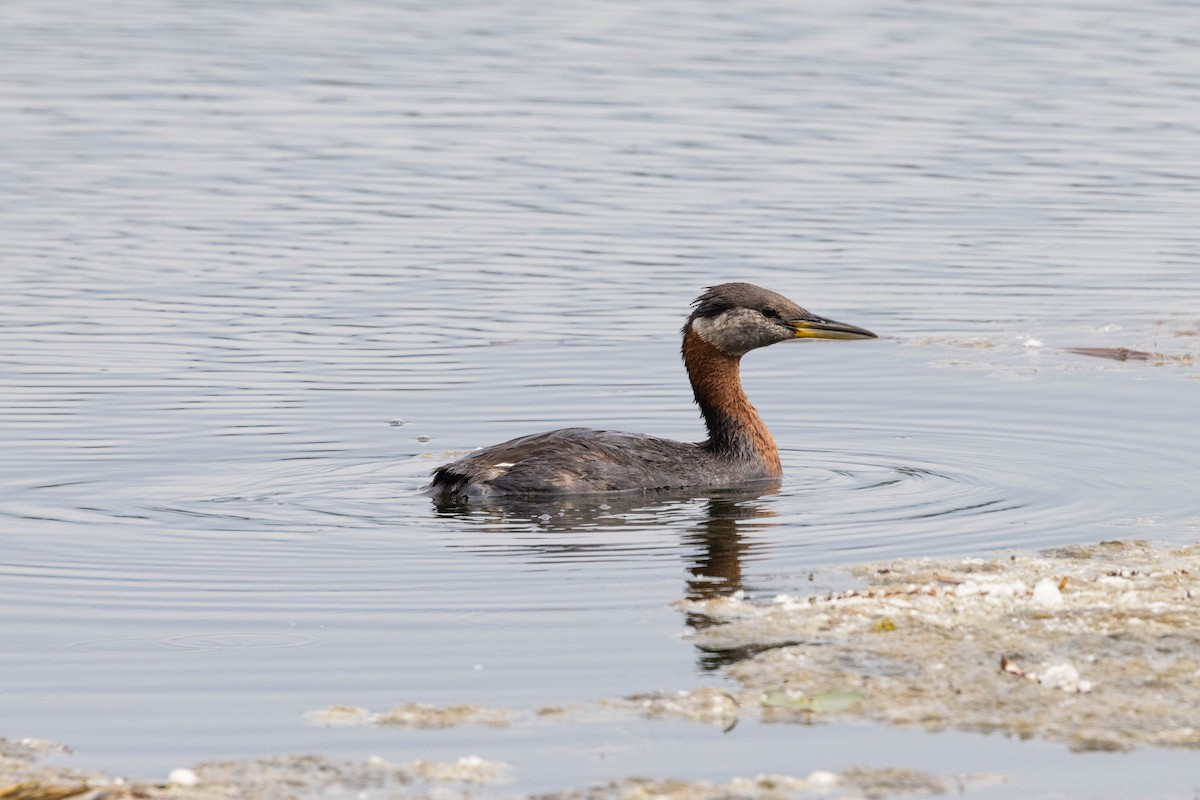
pixel 728 321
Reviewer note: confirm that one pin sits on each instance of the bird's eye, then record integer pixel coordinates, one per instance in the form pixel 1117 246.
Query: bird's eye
pixel 770 313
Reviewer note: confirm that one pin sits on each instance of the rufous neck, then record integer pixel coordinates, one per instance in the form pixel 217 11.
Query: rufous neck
pixel 734 427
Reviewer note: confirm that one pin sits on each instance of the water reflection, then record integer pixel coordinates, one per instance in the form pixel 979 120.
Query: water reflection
pixel 715 543
pixel 715 549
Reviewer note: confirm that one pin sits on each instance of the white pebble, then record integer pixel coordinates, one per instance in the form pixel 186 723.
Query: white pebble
pixel 182 777
pixel 821 779
pixel 1065 677
pixel 1046 594
pixel 1033 343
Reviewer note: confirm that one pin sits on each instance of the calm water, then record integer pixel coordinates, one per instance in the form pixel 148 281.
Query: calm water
pixel 263 266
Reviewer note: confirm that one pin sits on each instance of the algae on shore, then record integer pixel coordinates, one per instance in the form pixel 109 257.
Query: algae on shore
pixel 1097 646
pixel 470 778
pixel 275 778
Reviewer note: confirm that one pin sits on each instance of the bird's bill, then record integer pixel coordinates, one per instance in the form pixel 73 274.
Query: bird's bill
pixel 817 328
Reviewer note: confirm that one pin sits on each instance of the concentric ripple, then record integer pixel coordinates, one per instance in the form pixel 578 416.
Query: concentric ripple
pixel 191 643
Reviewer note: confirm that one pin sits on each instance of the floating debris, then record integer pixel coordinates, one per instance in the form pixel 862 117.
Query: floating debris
pixel 279 778
pixel 341 717
pixel 1126 354
pixel 1113 630
pixel 1117 353
pixel 852 783
pixel 420 715
pixel 704 704
pixel 1011 356
pixel 412 715
pixel 468 769
pixel 298 777
pixel 468 778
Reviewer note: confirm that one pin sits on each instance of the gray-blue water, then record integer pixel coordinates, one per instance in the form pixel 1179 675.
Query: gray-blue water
pixel 264 265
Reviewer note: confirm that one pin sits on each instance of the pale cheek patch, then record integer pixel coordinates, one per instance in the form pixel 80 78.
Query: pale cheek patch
pixel 717 330
pixel 707 328
pixel 728 331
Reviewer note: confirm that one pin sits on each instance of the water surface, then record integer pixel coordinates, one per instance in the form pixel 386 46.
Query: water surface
pixel 265 266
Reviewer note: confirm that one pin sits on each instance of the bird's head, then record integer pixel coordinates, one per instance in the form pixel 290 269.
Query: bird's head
pixel 739 317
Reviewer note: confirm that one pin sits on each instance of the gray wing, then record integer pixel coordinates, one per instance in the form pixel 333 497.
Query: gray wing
pixel 571 461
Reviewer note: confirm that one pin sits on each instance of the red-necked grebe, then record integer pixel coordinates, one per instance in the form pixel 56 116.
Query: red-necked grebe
pixel 728 321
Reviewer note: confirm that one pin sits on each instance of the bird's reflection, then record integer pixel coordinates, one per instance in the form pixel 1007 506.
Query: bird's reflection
pixel 716 542
pixel 717 549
